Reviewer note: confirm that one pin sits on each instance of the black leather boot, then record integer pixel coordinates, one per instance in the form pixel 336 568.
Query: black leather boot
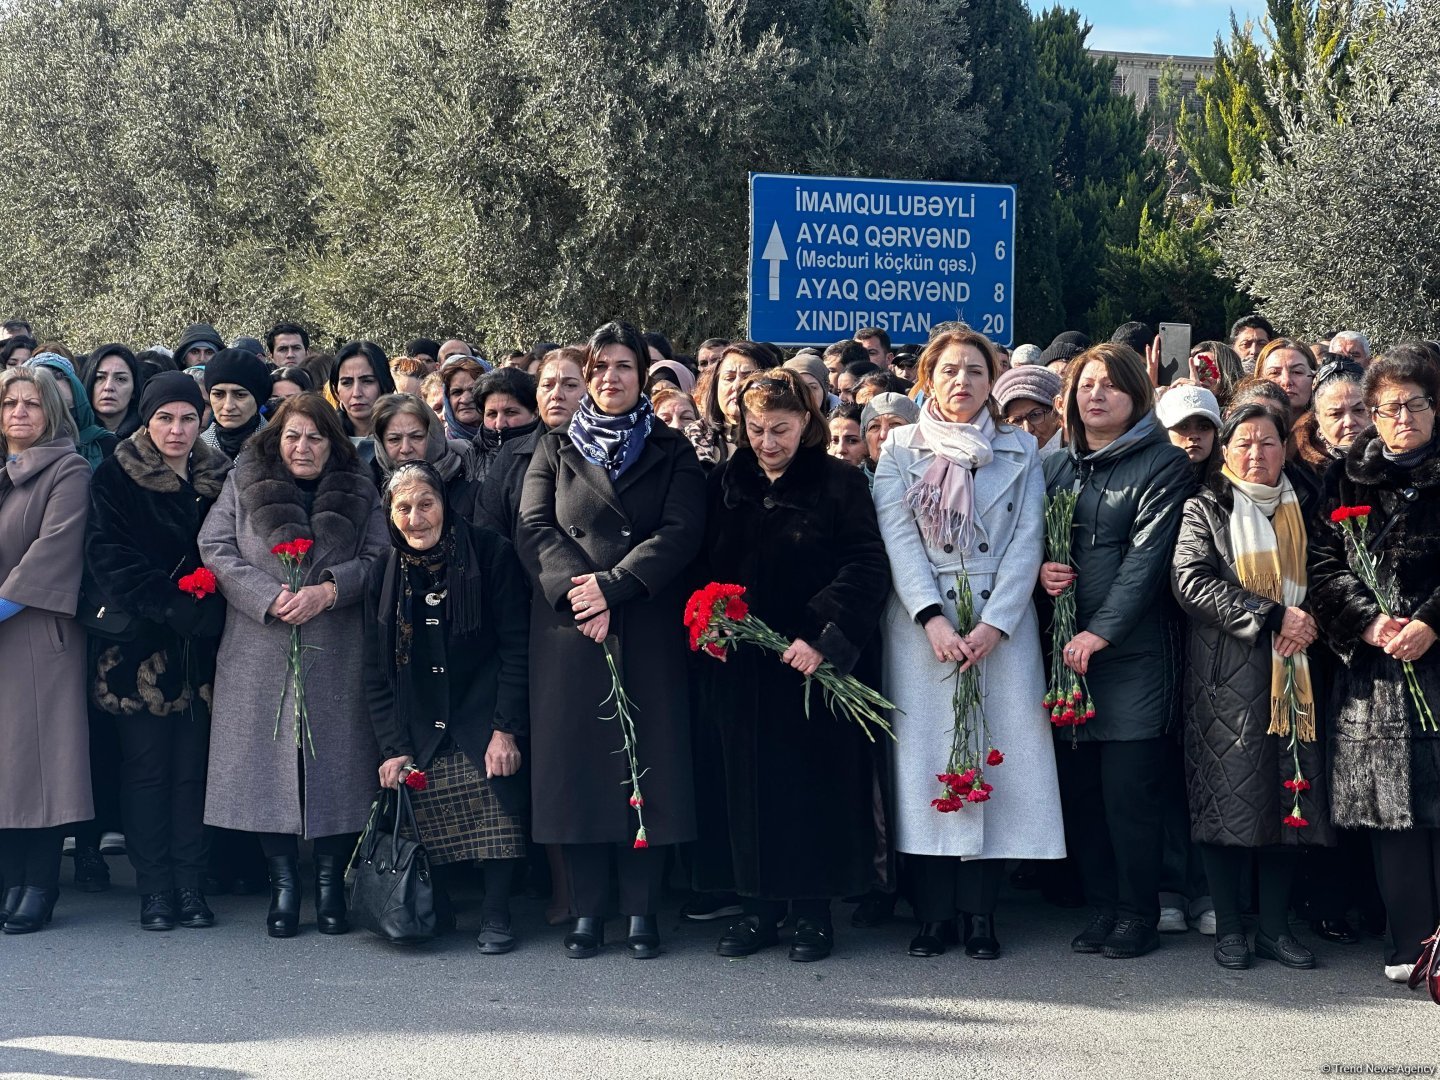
pixel 330 913
pixel 934 938
pixel 643 941
pixel 980 940
pixel 585 939
pixel 10 901
pixel 33 910
pixel 283 918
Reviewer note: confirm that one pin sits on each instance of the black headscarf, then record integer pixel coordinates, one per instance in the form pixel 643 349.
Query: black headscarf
pixel 131 421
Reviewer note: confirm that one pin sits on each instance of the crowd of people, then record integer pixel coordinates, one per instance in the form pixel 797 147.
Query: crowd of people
pixel 244 585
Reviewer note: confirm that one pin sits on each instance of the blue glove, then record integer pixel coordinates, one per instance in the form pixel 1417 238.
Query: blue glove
pixel 8 608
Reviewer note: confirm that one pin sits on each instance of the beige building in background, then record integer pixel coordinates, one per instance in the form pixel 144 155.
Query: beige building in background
pixel 1138 74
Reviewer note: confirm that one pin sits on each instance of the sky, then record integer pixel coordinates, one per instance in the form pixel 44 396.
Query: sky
pixel 1172 27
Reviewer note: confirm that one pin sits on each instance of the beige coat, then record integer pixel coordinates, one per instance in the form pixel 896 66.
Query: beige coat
pixel 44 735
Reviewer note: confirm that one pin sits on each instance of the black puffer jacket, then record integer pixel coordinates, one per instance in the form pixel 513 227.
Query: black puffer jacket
pixel 1131 494
pixel 1235 773
pixel 1385 770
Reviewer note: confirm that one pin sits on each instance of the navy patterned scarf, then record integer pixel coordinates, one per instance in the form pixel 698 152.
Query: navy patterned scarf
pixel 612 442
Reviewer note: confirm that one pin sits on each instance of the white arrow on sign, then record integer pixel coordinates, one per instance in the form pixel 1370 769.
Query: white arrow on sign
pixel 774 254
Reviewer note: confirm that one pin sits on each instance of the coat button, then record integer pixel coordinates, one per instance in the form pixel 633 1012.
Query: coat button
pixel 625 530
pixel 1009 507
pixel 949 548
pixel 984 594
pixel 951 594
pixel 576 531
pixel 984 547
pixel 768 503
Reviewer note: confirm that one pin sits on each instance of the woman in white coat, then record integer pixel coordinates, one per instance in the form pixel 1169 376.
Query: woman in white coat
pixel 961 492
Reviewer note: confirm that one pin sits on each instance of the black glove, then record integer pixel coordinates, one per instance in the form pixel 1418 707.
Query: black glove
pixel 197 618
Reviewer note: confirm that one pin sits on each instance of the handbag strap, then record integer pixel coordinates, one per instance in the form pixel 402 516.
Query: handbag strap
pixel 404 813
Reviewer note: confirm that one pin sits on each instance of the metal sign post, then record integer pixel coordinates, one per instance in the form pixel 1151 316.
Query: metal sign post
pixel 829 255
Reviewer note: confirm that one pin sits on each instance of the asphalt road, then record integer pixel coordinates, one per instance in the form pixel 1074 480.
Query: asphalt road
pixel 95 996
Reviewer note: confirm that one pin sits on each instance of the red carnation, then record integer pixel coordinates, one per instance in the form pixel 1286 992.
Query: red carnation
pixel 302 545
pixel 1297 785
pixel 200 584
pixel 636 801
pixel 282 549
pixel 980 794
pixel 416 780
pixel 641 841
pixel 1295 821
pixel 995 757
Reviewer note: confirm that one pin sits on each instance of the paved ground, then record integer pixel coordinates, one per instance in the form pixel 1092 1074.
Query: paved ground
pixel 94 996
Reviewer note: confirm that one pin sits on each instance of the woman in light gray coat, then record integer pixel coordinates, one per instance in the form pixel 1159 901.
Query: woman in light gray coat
pixel 44 733
pixel 299 479
pixel 958 494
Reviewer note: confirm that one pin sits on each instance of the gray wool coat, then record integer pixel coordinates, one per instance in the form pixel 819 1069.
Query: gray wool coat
pixel 44 734
pixel 1022 818
pixel 254 784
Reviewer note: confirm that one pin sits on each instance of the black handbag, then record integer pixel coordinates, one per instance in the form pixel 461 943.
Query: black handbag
pixel 389 886
pixel 99 620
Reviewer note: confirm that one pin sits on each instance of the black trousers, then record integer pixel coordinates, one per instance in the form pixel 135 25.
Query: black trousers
pixel 31 857
pixel 1111 794
pixel 640 873
pixel 287 845
pixel 771 912
pixel 1331 881
pixel 944 886
pixel 1407 867
pixel 1182 874
pixel 1225 868
pixel 105 757
pixel 162 795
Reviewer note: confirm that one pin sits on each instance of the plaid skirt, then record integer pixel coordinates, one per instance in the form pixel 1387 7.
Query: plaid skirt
pixel 460 817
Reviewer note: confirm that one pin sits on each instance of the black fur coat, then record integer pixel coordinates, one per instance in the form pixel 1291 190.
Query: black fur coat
pixel 1385 770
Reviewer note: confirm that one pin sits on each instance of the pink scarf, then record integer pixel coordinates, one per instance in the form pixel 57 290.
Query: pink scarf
pixel 943 500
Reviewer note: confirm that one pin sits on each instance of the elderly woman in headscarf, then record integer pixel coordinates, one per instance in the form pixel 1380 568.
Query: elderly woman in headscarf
pixel 407 430
pixel 447 623
pixel 94 443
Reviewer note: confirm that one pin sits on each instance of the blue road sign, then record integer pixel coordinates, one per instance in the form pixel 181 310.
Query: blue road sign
pixel 829 255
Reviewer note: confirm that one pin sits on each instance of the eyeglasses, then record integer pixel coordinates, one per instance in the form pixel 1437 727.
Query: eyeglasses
pixel 1340 366
pixel 1034 416
pixel 1391 409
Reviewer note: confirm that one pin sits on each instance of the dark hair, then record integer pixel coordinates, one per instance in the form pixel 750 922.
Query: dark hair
pixel 875 332
pixel 266 442
pixel 372 353
pixel 285 328
pixel 1402 364
pixel 1250 322
pixel 753 351
pixel 295 373
pixel 661 344
pixel 883 382
pixel 1232 368
pixel 1137 335
pixel 516 382
pixel 616 332
pixel 850 352
pixel 858 369
pixel 13 345
pixel 1255 388
pixel 713 343
pixel 17 326
pixel 780 390
pixel 152 362
pixel 846 410
pixel 422 346
pixel 1126 371
pixel 1253 410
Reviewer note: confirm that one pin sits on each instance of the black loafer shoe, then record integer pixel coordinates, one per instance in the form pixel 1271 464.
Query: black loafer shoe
pixel 1337 930
pixel 934 938
pixel 747 937
pixel 92 875
pixel 1284 950
pixel 875 909
pixel 980 940
pixel 643 940
pixel 195 913
pixel 812 941
pixel 585 939
pixel 1129 939
pixel 495 937
pixel 1092 938
pixel 157 911
pixel 1232 951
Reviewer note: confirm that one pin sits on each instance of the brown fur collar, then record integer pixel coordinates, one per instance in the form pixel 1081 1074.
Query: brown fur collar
pixel 142 462
pixel 270 496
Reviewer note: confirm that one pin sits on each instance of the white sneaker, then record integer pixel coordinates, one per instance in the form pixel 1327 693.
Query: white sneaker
pixel 1172 921
pixel 1399 972
pixel 1205 922
pixel 112 843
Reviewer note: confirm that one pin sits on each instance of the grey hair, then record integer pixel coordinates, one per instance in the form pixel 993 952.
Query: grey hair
pixel 58 421
pixel 1351 335
pixel 409 474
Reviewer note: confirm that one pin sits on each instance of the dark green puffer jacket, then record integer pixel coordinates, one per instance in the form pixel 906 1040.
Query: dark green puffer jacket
pixel 1126 521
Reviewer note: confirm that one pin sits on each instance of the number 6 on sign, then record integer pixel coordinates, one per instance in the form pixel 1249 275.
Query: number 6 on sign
pixel 1000 250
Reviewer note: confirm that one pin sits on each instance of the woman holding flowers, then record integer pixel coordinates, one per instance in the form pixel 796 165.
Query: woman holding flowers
pixel 292 752
pixel 960 498
pixel 147 503
pixel 788 818
pixel 1130 485
pixel 611 516
pixel 1254 765
pixel 1384 499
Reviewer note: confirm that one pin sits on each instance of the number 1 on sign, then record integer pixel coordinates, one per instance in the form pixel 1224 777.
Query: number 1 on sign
pixel 1004 209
